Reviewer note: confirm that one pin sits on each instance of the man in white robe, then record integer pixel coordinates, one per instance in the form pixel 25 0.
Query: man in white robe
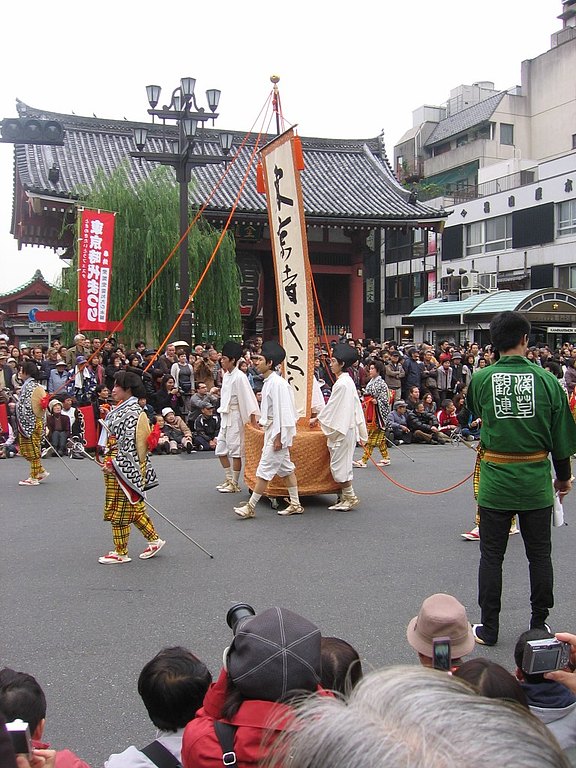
pixel 278 417
pixel 342 421
pixel 238 406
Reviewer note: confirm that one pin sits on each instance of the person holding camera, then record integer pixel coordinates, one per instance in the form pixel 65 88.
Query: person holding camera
pixel 273 655
pixel 550 700
pixel 525 417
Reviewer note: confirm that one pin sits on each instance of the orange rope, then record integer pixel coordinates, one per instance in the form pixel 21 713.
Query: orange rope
pixel 421 493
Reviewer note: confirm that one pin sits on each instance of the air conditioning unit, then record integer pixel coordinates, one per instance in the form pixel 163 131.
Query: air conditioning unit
pixel 489 281
pixel 469 280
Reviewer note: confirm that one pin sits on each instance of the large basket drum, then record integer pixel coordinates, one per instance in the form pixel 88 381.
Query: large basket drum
pixel 308 452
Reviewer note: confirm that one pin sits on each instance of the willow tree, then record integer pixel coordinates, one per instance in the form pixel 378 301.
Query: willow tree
pixel 146 231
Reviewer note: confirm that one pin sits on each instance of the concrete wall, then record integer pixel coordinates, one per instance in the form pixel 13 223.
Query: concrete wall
pixel 549 83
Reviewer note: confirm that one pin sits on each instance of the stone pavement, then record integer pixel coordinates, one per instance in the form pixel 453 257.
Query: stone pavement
pixel 85 630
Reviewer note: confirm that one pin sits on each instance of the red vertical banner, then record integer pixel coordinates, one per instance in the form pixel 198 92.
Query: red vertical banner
pixel 95 269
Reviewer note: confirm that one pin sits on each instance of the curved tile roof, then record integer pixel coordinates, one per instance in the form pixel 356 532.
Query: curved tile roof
pixel 345 180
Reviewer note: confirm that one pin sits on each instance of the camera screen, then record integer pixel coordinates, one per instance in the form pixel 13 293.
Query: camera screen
pixel 544 661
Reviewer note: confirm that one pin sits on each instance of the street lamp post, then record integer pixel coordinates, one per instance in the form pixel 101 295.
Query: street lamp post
pixel 182 153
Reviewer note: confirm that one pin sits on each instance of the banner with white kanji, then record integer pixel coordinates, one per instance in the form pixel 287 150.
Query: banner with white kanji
pixel 96 246
pixel 291 264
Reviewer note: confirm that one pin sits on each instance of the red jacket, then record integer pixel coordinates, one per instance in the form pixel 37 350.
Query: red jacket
pixel 255 719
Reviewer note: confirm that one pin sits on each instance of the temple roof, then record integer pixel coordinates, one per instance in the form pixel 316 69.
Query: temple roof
pixel 345 181
pixel 37 277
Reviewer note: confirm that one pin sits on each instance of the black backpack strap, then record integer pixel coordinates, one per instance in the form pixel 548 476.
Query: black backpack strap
pixel 161 756
pixel 226 733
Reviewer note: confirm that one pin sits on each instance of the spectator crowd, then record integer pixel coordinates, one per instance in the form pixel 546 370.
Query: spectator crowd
pixel 288 696
pixel 425 386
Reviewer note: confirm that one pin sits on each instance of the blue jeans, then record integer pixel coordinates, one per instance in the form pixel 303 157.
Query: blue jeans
pixel 494 533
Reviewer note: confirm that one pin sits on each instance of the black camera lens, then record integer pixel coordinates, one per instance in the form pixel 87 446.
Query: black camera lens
pixel 237 612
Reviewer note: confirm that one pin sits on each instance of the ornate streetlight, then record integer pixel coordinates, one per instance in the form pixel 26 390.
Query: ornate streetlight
pixel 183 152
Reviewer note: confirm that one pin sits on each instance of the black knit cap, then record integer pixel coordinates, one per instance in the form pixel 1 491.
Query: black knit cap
pixel 271 350
pixel 274 652
pixel 232 349
pixel 345 354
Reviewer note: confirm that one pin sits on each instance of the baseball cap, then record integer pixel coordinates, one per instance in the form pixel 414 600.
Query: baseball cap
pixel 274 652
pixel 167 410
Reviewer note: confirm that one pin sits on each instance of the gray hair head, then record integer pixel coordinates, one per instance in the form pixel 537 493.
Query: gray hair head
pixel 412 717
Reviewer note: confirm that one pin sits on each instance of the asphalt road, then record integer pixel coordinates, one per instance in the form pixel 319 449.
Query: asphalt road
pixel 85 630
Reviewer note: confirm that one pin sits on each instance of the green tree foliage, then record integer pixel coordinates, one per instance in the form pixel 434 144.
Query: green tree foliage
pixel 146 231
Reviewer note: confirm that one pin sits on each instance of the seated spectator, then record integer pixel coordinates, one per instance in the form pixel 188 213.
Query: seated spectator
pixel 206 428
pixel 201 394
pixel 398 423
pixel 447 418
pixel 172 686
pixel 58 427
pixel 341 666
pixel 75 416
pixel 8 442
pixel 167 396
pixel 413 398
pixel 409 717
pixel 58 380
pixel 469 424
pixel 440 615
pixel 424 426
pixel 491 680
pixel 21 697
pixel 163 445
pixel 552 702
pixel 178 432
pixel 272 655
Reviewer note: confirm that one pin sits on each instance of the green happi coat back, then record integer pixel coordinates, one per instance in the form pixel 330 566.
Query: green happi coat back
pixel 523 410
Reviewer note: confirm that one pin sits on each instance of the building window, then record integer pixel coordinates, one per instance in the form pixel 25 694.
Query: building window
pixel 498 233
pixel 574 141
pixel 462 140
pixel 441 149
pixel 474 238
pixel 567 218
pixel 490 235
pixel 506 133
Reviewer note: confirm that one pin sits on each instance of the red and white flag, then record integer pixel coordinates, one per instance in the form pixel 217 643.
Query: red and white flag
pixel 95 269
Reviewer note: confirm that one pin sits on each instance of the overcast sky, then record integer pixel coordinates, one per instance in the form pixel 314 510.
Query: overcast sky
pixel 347 70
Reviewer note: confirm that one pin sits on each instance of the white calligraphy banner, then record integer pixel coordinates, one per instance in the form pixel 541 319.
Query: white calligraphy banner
pixel 291 264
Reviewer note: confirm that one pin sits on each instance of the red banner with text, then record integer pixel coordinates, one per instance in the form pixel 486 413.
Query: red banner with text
pixel 95 269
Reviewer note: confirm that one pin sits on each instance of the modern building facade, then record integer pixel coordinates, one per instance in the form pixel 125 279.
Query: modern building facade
pixel 503 165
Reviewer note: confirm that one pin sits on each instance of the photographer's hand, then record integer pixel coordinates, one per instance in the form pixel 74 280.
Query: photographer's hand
pixel 566 676
pixel 40 758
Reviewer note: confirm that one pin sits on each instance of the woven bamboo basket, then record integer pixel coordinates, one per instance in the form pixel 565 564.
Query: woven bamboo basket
pixel 308 452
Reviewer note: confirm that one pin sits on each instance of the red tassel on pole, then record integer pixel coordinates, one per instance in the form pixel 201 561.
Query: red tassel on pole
pixel 298 153
pixel 260 188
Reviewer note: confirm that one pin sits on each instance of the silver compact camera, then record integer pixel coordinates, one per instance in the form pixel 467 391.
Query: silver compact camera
pixel 545 656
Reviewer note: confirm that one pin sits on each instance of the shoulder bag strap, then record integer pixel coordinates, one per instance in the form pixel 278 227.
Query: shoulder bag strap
pixel 226 733
pixel 160 756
